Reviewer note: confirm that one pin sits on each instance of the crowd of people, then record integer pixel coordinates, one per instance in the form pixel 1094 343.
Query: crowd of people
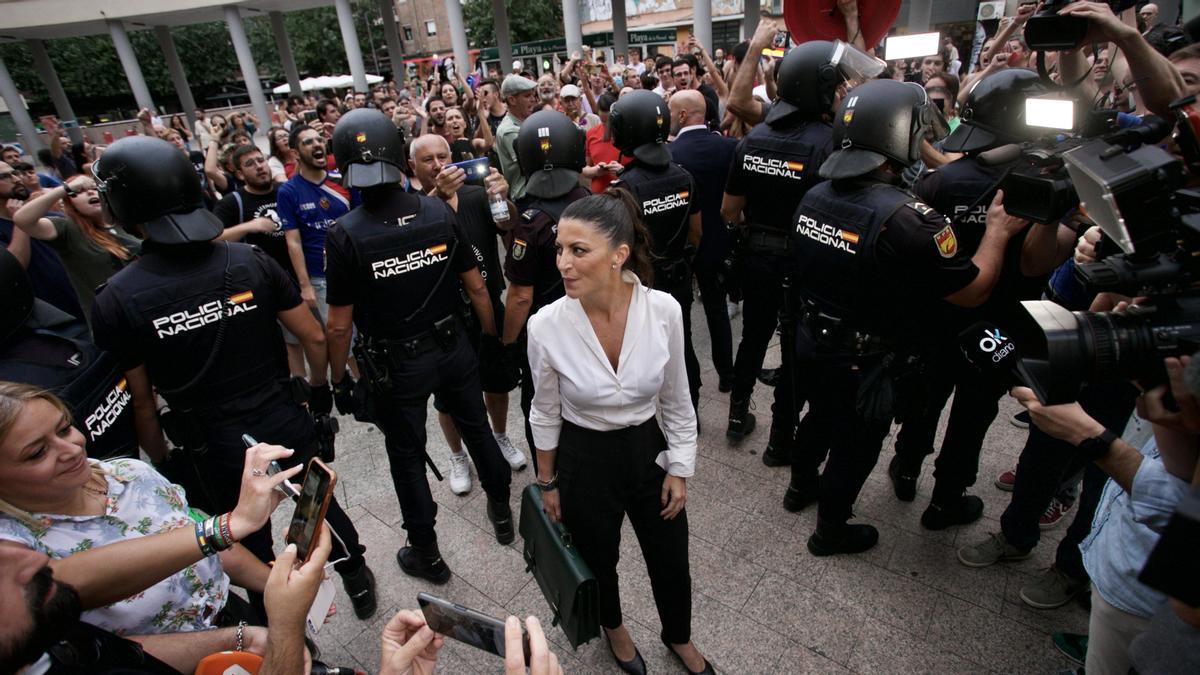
pixel 826 195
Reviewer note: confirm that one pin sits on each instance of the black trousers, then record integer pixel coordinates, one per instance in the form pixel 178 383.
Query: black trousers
pixel 677 281
pixel 716 314
pixel 604 475
pixel 452 374
pixel 976 404
pixel 762 277
pixel 853 443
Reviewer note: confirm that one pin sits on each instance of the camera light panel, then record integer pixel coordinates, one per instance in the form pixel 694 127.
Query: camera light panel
pixel 912 46
pixel 1050 113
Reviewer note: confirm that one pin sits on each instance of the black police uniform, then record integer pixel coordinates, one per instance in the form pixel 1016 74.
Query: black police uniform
pixel 773 168
pixel 668 199
pixel 201 318
pixel 532 260
pixel 870 258
pixel 963 190
pixel 396 259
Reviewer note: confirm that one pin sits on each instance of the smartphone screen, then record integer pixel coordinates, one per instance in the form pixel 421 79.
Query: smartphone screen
pixel 476 170
pixel 310 510
pixel 466 625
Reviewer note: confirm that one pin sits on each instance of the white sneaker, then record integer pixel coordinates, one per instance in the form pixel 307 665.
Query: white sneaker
pixel 734 308
pixel 460 473
pixel 512 454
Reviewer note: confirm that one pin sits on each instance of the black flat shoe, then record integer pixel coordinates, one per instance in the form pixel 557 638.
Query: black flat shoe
pixel 708 668
pixel 634 666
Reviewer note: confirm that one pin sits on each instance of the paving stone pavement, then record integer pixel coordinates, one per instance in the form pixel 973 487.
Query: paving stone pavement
pixel 761 602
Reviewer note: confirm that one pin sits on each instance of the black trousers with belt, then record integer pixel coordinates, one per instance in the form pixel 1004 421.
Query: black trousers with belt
pixel 677 280
pixel 604 476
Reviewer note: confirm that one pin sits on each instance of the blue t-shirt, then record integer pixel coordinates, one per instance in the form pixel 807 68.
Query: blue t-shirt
pixel 47 181
pixel 47 275
pixel 312 208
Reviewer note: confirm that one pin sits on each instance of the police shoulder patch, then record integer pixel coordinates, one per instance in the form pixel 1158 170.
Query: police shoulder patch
pixel 529 214
pixel 947 243
pixel 518 249
pixel 921 208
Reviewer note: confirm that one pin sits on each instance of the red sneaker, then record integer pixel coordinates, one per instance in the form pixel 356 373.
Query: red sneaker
pixel 1006 480
pixel 1054 514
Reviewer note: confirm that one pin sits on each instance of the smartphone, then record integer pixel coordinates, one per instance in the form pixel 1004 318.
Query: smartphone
pixel 467 625
pixel 476 170
pixel 310 509
pixel 781 39
pixel 310 115
pixel 272 469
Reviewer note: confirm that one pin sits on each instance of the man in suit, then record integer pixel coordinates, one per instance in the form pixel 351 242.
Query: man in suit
pixel 706 155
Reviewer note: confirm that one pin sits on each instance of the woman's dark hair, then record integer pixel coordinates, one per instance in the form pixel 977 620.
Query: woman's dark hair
pixel 274 151
pixel 649 80
pixel 606 101
pixel 616 215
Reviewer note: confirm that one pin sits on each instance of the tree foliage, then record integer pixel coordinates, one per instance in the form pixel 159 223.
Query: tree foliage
pixel 528 20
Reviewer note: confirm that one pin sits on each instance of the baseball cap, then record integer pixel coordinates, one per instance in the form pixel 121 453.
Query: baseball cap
pixel 515 84
pixel 569 91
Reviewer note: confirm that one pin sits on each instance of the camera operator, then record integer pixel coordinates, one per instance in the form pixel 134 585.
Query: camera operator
pixel 1138 499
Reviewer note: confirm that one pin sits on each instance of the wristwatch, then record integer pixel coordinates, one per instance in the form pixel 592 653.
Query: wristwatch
pixel 68 190
pixel 1097 447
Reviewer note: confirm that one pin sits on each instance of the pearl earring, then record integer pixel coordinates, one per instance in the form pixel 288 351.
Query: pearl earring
pixel 614 266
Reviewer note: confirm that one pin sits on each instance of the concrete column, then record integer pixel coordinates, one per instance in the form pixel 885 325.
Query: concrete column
pixel 241 45
pixel 503 38
pixel 918 15
pixel 749 18
pixel 16 107
pixel 702 23
pixel 129 62
pixel 178 76
pixel 458 37
pixel 574 30
pixel 350 39
pixel 285 52
pixel 62 106
pixel 620 43
pixel 391 34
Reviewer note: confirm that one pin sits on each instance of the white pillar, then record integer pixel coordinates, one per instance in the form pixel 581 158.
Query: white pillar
pixel 458 37
pixel 620 43
pixel 129 62
pixel 62 106
pixel 241 45
pixel 574 30
pixel 16 107
pixel 918 15
pixel 702 23
pixel 178 76
pixel 392 36
pixel 503 38
pixel 285 52
pixel 350 40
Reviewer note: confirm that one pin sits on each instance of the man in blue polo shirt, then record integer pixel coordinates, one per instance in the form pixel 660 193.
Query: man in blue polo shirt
pixel 308 204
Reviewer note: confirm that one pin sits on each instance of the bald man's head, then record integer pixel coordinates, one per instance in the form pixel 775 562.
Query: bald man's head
pixel 687 109
pixel 427 155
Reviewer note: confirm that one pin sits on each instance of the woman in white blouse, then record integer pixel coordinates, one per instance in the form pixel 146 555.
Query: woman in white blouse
pixel 604 359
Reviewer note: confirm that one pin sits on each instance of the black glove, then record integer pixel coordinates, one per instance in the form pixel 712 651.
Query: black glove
pixel 343 395
pixel 320 401
pixel 490 349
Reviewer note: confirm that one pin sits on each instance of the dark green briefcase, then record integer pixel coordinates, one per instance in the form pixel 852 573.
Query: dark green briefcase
pixel 565 579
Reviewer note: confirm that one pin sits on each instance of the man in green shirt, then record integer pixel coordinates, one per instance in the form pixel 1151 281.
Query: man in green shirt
pixel 521 96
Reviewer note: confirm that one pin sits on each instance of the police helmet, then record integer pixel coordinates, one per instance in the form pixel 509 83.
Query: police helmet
pixel 146 181
pixel 809 75
pixel 368 149
pixel 995 112
pixel 878 121
pixel 16 295
pixel 551 154
pixel 640 124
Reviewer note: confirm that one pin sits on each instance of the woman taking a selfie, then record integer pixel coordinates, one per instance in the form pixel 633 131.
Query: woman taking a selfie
pixel 603 359
pixel 118 531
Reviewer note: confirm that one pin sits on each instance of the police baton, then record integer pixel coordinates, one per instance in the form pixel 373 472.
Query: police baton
pixel 432 467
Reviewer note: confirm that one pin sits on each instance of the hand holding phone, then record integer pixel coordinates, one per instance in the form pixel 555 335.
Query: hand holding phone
pixel 474 170
pixel 309 518
pixel 469 626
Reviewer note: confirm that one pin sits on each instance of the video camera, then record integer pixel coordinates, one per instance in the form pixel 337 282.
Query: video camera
pixel 1138 199
pixel 1047 31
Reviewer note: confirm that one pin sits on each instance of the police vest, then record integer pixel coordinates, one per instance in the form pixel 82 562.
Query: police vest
pixel 210 338
pixel 962 191
pixel 405 274
pixel 90 381
pixel 835 235
pixel 665 197
pixel 783 165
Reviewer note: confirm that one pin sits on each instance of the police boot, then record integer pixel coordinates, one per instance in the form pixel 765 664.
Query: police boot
pixel 800 495
pixel 500 514
pixel 904 478
pixel 424 562
pixel 835 538
pixel 946 511
pixel 360 586
pixel 780 447
pixel 741 420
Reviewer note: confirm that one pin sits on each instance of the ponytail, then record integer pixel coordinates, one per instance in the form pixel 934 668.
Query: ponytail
pixel 617 215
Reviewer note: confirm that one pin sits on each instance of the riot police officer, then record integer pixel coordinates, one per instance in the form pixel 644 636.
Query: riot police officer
pixel 870 259
pixel 773 167
pixel 197 320
pixel 994 115
pixel 550 150
pixel 393 264
pixel 640 124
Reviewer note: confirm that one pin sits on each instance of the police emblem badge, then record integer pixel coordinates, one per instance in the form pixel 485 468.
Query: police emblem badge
pixel 518 249
pixel 946 242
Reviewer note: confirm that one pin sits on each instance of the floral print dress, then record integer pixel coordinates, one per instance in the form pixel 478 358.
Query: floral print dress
pixel 140 502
